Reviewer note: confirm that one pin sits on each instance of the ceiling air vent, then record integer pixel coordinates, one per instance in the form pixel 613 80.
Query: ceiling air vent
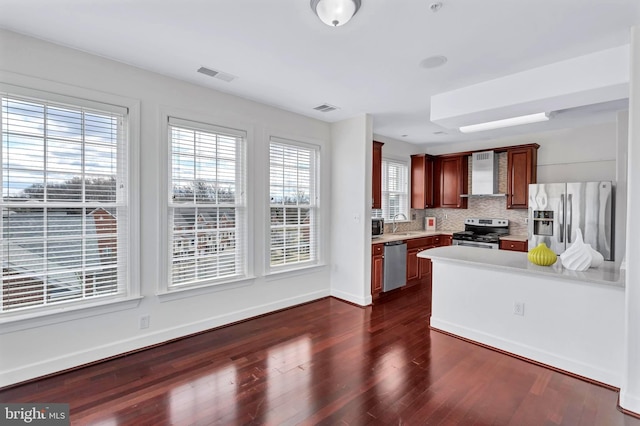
pixel 325 108
pixel 216 74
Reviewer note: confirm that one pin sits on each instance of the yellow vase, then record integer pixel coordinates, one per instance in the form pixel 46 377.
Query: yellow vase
pixel 542 255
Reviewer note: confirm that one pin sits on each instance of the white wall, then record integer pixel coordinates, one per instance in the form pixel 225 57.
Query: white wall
pixel 46 348
pixel 630 389
pixel 621 187
pixel 396 149
pixel 569 155
pixel 351 209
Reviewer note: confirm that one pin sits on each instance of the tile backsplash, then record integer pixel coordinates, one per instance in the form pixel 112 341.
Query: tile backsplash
pixel 485 207
pixel 453 219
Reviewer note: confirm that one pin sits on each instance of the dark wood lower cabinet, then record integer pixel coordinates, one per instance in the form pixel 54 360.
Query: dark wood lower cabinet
pixel 418 268
pixel 413 270
pixel 377 268
pixel 514 245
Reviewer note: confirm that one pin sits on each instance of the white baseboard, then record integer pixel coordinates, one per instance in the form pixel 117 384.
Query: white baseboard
pixel 554 360
pixel 71 360
pixel 352 298
pixel 629 402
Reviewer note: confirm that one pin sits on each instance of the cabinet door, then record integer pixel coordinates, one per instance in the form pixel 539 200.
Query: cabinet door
pixel 376 176
pixel 453 181
pixel 521 171
pixel 422 181
pixel 377 268
pixel 377 264
pixel 425 269
pixel 413 270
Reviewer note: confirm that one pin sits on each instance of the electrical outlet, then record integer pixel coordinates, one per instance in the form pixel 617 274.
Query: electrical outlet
pixel 518 308
pixel 144 321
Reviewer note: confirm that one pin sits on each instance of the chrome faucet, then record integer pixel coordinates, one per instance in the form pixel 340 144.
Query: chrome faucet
pixel 395 225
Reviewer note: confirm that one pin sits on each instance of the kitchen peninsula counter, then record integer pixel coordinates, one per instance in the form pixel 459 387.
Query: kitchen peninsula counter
pixel 607 274
pixel 573 321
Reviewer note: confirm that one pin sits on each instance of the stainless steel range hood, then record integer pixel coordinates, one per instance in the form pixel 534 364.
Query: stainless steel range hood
pixel 484 174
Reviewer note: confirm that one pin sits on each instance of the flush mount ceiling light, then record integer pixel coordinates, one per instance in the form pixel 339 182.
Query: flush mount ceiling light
pixel 507 122
pixel 335 12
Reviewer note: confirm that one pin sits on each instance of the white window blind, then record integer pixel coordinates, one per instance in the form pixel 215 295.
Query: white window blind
pixel 64 202
pixel 207 212
pixel 395 188
pixel 293 191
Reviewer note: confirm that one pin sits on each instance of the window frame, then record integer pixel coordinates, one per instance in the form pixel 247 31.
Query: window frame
pixel 314 206
pixel 166 290
pixel 128 283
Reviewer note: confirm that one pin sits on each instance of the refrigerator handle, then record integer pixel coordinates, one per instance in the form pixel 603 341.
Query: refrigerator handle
pixel 569 216
pixel 561 220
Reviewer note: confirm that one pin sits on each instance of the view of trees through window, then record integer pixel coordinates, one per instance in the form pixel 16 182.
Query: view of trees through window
pixel 205 209
pixel 395 190
pixel 60 209
pixel 292 180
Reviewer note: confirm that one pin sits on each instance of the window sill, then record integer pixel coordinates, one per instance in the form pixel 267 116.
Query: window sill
pixel 285 273
pixel 192 291
pixel 70 312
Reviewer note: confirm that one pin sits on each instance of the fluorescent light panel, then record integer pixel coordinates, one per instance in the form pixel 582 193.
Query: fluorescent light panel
pixel 507 122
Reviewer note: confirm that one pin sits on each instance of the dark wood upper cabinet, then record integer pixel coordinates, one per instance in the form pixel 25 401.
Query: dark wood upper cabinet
pixel 522 164
pixel 453 180
pixel 376 176
pixel 422 183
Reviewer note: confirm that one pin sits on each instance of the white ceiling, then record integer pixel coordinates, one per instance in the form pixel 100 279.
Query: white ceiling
pixel 283 55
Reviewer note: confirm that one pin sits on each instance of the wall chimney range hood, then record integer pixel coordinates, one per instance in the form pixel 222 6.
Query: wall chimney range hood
pixel 484 174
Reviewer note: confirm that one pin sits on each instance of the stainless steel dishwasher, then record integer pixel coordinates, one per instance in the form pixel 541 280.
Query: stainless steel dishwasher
pixel 395 265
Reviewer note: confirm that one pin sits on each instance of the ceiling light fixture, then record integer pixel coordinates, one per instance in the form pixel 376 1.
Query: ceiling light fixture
pixel 433 61
pixel 507 122
pixel 335 12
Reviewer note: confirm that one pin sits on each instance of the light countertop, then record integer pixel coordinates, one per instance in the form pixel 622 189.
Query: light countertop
pixel 510 237
pixel 511 261
pixel 407 235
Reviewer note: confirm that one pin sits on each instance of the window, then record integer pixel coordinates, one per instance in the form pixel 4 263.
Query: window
pixel 207 215
pixel 64 202
pixel 395 189
pixel 293 193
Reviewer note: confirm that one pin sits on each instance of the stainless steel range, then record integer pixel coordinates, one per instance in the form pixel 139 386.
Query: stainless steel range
pixel 483 233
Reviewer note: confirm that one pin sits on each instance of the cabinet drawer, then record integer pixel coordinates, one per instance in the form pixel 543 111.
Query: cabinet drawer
pixel 377 249
pixel 514 245
pixel 419 242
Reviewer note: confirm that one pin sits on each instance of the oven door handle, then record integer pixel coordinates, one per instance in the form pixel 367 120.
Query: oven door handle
pixel 466 243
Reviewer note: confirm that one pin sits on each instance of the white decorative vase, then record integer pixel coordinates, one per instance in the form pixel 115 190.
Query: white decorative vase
pixel 578 256
pixel 597 259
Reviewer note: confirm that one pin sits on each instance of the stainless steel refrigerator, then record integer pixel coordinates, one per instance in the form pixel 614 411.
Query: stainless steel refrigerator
pixel 557 210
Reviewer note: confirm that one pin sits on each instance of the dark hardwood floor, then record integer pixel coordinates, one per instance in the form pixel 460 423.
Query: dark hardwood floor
pixel 330 363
